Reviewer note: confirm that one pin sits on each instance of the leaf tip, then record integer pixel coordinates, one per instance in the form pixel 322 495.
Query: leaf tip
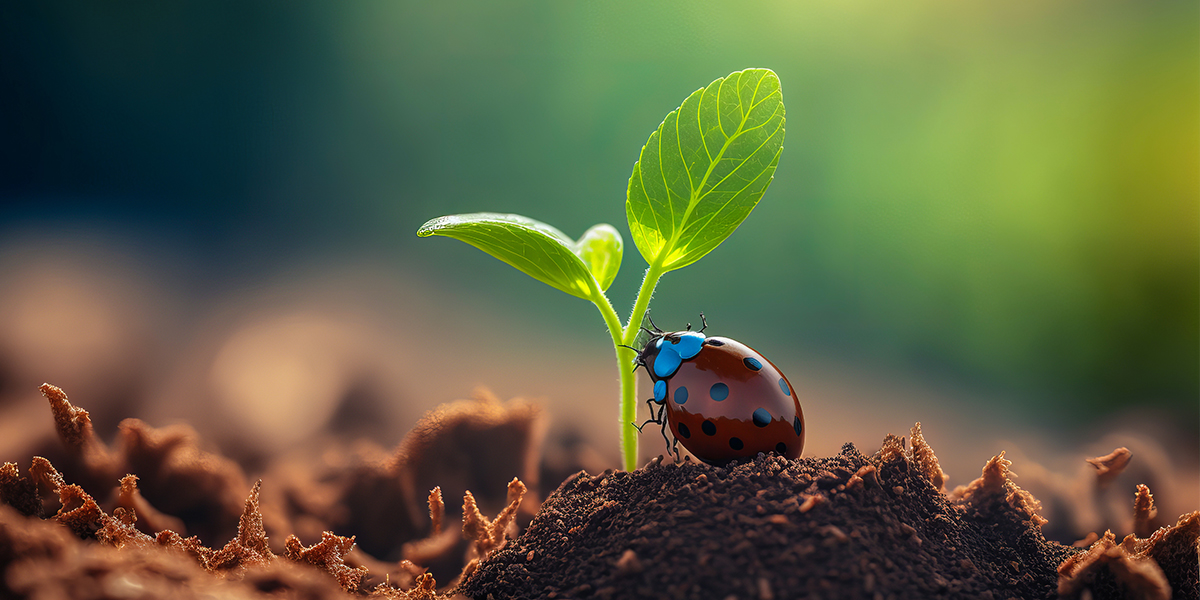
pixel 431 226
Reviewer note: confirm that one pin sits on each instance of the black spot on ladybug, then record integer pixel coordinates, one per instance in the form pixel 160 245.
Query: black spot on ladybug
pixel 681 395
pixel 736 443
pixel 684 432
pixel 708 427
pixel 796 425
pixel 719 391
pixel 761 417
pixel 712 342
pixel 752 363
pixel 781 447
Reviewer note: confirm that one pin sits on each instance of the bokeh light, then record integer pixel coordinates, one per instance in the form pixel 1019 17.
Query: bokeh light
pixel 996 201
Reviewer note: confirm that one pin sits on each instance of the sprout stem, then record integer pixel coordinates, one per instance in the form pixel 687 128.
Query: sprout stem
pixel 653 273
pixel 626 336
pixel 628 410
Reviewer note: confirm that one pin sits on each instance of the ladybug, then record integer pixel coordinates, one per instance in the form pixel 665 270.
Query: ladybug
pixel 721 398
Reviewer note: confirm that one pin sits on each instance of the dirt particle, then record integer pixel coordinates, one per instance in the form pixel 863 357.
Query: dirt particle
pixel 925 460
pixel 892 449
pixel 869 475
pixel 811 502
pixel 629 563
pixel 836 533
pixel 1144 512
pixel 1109 466
pixel 764 589
pixel 18 491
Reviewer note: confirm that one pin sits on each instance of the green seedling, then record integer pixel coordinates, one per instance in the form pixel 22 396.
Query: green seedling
pixel 697 178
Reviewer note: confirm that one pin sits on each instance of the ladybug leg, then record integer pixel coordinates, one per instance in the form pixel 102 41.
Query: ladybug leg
pixel 658 419
pixel 670 445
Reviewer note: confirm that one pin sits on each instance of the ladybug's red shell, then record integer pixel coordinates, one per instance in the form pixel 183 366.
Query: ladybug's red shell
pixel 735 403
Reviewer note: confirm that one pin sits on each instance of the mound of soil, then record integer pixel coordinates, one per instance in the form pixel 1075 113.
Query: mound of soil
pixel 848 526
pixel 839 527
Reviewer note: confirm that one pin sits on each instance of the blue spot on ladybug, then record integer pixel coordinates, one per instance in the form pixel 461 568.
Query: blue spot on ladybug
pixel 667 362
pixel 660 390
pixel 719 391
pixel 796 425
pixel 681 395
pixel 752 363
pixel 689 344
pixel 784 386
pixel 761 417
pixel 670 354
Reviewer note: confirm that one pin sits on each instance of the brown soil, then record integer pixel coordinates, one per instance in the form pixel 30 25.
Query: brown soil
pixel 842 527
pixel 132 521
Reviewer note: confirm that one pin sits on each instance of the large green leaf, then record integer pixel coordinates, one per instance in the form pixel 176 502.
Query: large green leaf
pixel 537 249
pixel 705 168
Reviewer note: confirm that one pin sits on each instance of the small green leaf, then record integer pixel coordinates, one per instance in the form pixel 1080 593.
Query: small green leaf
pixel 705 168
pixel 601 248
pixel 537 249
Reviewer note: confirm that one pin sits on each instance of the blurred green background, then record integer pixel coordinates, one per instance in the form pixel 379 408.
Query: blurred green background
pixel 1002 195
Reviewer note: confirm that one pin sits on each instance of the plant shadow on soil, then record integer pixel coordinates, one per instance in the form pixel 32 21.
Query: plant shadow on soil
pixel 86 520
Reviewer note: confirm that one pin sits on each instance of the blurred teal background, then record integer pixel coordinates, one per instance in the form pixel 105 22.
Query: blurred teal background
pixel 1001 195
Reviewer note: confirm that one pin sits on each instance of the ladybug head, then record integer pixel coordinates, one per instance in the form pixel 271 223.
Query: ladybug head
pixel 656 338
pixel 656 333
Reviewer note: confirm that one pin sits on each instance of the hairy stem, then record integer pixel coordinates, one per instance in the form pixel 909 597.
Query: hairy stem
pixel 625 357
pixel 653 273
pixel 625 336
pixel 628 409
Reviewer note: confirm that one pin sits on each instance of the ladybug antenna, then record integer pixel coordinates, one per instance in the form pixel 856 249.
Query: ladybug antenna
pixel 703 321
pixel 656 329
pixel 627 346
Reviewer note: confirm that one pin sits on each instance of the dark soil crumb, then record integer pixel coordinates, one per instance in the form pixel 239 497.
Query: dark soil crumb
pixel 842 527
